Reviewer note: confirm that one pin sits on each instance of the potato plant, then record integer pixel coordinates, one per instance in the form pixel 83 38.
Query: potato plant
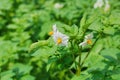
pixel 59 40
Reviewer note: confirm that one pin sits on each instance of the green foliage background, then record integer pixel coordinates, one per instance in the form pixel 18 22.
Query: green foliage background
pixel 23 22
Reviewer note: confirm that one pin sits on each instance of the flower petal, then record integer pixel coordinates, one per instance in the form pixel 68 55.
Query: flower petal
pixel 54 28
pixel 107 6
pixel 89 36
pixel 83 44
pixel 99 3
pixel 58 5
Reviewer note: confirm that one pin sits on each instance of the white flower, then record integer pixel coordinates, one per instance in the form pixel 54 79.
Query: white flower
pixel 58 37
pixel 107 6
pixel 87 40
pixel 98 4
pixel 58 5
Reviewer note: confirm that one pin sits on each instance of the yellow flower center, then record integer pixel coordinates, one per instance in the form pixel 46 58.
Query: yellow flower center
pixel 50 33
pixel 59 40
pixel 89 42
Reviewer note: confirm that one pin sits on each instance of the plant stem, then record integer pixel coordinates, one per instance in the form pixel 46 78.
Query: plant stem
pixel 79 61
pixel 89 51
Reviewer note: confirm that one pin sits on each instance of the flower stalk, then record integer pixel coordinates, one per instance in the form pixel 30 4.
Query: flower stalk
pixel 89 51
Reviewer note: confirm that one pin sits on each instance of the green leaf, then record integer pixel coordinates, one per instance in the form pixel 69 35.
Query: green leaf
pixel 116 40
pixel 115 74
pixel 116 77
pixel 83 25
pixel 109 30
pixel 83 20
pixel 97 47
pixel 114 18
pixel 45 29
pixel 74 30
pixel 21 68
pixel 94 62
pixel 27 77
pixel 108 42
pixel 96 26
pixel 44 52
pixel 81 77
pixel 38 44
pixel 48 67
pixel 7 75
pixel 6 4
pixel 110 53
pixel 12 26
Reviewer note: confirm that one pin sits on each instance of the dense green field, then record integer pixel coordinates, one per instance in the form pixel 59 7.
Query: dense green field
pixel 59 39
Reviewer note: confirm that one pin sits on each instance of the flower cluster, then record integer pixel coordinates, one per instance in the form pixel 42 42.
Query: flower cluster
pixel 62 39
pixel 58 37
pixel 107 6
pixel 58 5
pixel 100 3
